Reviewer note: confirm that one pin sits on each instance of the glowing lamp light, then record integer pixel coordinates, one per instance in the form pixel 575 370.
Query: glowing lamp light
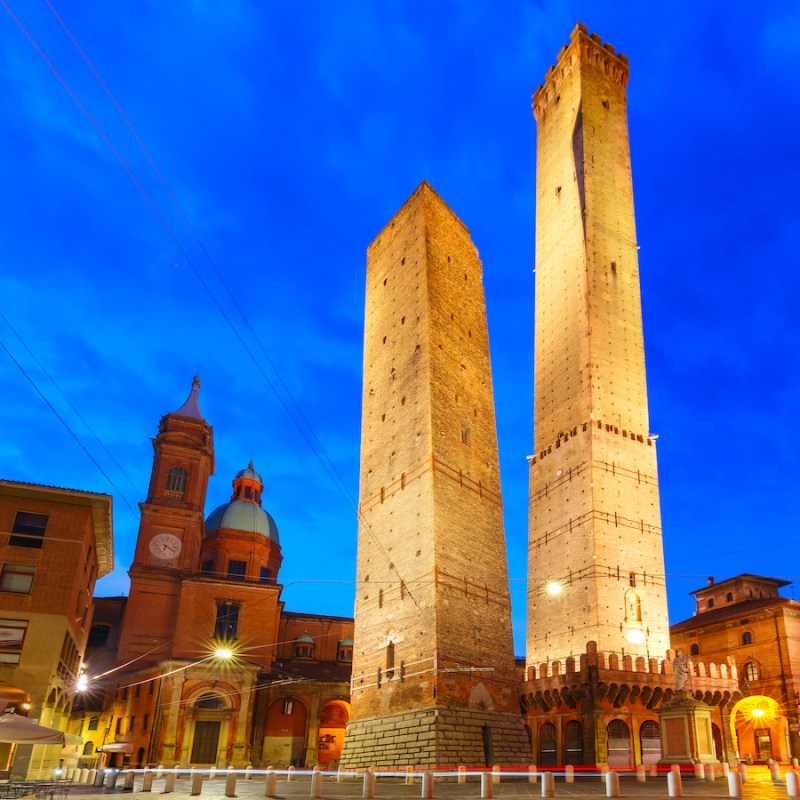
pixel 634 636
pixel 554 588
pixel 223 652
pixel 26 706
pixel 757 712
pixel 82 684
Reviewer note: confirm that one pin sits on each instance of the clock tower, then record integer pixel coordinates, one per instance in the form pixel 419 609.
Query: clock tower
pixel 171 528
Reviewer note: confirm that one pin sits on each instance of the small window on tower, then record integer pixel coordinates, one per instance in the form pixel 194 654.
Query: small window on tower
pixel 632 579
pixel 390 660
pixel 248 492
pixel 464 434
pixel 263 576
pixel 176 482
pixel 207 568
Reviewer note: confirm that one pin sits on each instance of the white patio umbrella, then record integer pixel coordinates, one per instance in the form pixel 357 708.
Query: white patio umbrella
pixel 22 730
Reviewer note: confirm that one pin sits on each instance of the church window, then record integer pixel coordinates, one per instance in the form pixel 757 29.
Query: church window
pixel 176 482
pixel 632 579
pixel 304 646
pixel 29 529
pixel 237 570
pixel 694 650
pixel 145 721
pixel 729 597
pixel 710 603
pixel 390 660
pixel 751 671
pixel 210 702
pixel 227 625
pixel 747 638
pixel 288 708
pixel 248 492
pixel 344 651
pixel 17 578
pixel 207 568
pixel 94 722
pixel 264 575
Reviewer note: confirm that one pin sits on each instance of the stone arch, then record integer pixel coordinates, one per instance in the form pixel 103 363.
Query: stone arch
pixel 619 743
pixel 285 735
pixel 759 729
pixel 333 718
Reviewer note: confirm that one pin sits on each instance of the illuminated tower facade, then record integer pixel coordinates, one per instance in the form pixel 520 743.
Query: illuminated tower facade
pixel 596 566
pixel 433 662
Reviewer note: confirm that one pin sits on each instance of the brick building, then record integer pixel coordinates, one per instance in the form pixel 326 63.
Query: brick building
pixel 744 619
pixel 210 667
pixel 45 607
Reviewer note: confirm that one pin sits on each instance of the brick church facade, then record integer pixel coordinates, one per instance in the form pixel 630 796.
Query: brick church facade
pixel 210 667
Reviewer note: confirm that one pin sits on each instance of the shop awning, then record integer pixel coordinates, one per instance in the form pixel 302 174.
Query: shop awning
pixel 116 747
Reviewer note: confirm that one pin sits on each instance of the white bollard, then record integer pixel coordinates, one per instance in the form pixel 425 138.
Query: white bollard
pixel 212 773
pixel 111 779
pixel 169 783
pixel 230 784
pixel 795 763
pixel 711 772
pixel 532 773
pixel 147 781
pixel 197 784
pixel 462 774
pixel 603 772
pixel 409 775
pixel 726 769
pixel 496 773
pixel 548 784
pixel 271 787
pixel 699 772
pixel 742 773
pixel 340 773
pixel 427 785
pixel 248 772
pixel 641 774
pixel 487 779
pixel 569 774
pixel 612 784
pixel 290 774
pixel 316 783
pixel 792 783
pixel 734 784
pixel 96 777
pixel 368 792
pixel 160 771
pixel 674 783
pixel 775 772
pixel 128 785
pixel 654 770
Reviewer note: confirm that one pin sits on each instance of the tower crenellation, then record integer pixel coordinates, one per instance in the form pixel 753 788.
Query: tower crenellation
pixel 583 48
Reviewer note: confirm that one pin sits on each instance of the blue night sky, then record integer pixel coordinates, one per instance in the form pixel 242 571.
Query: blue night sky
pixel 290 133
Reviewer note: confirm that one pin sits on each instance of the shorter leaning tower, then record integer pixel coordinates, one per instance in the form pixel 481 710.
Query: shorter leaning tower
pixel 433 663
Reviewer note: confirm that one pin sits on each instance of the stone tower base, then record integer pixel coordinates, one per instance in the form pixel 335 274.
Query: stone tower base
pixel 437 737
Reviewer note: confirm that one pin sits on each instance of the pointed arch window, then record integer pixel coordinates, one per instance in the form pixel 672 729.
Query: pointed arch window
pixel 176 482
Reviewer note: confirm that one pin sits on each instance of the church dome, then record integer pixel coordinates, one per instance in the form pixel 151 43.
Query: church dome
pixel 244 512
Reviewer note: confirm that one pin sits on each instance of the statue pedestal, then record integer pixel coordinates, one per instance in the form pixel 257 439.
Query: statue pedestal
pixel 686 731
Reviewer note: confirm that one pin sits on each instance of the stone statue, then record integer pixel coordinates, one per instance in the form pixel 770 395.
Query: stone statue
pixel 680 671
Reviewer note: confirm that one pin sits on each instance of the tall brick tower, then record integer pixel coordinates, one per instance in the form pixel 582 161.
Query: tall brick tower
pixel 596 566
pixel 433 662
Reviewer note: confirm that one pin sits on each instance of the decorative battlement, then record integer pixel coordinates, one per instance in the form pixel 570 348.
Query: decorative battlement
pixel 565 436
pixel 583 48
pixel 615 662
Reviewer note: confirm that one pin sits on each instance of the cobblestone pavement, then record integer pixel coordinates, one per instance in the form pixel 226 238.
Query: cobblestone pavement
pixel 759 786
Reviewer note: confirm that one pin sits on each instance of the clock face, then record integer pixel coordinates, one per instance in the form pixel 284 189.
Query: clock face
pixel 165 546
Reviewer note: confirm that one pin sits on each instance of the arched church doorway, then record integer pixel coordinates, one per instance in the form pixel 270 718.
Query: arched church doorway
pixel 209 723
pixel 333 719
pixel 619 744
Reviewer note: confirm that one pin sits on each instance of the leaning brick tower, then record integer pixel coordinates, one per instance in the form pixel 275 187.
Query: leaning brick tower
pixel 596 564
pixel 433 662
